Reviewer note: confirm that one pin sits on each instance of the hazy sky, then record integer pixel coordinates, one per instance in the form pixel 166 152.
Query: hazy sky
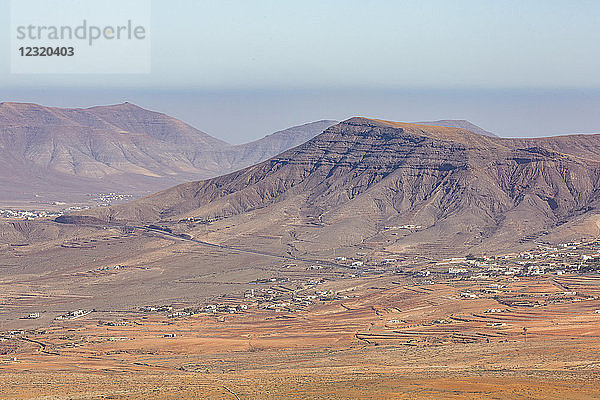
pixel 239 69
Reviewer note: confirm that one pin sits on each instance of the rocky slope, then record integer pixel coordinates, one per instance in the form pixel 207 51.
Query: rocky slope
pixel 363 178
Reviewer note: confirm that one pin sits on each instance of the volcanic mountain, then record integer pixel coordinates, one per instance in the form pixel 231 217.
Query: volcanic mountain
pixel 118 148
pixel 394 186
pixel 459 123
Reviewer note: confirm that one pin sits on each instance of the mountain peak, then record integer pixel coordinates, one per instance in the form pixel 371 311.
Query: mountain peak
pixel 125 106
pixel 21 106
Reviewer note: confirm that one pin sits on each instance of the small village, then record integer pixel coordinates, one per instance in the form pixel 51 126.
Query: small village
pixel 107 199
pixel 505 293
pixel 576 257
pixel 56 209
pixel 486 277
pixel 28 214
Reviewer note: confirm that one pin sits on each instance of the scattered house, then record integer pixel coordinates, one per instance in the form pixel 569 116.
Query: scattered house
pixel 468 295
pixel 115 323
pixel 33 316
pixel 454 260
pixel 109 268
pixel 358 264
pixel 156 309
pixel 178 314
pixel 453 270
pixel 74 314
pixel 535 270
pixel 169 335
pixel 340 259
pixel 387 228
pixel 513 271
pixel 117 339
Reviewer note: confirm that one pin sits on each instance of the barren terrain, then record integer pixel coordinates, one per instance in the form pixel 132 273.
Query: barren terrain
pixel 379 260
pixel 295 330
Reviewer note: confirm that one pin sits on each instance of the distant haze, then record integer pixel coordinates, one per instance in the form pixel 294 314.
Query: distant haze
pixel 239 116
pixel 240 69
pixel 233 44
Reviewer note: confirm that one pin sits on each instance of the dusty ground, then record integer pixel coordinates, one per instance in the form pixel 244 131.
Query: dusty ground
pixel 307 385
pixel 388 340
pixel 371 333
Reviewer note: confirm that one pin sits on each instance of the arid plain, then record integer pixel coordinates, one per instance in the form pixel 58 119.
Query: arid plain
pixel 283 329
pixel 377 260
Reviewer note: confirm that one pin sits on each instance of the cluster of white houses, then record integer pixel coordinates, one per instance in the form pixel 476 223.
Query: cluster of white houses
pixel 28 214
pixel 74 314
pixel 557 260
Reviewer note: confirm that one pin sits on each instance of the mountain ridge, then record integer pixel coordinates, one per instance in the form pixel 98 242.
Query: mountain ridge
pixel 121 147
pixel 362 175
pixel 459 123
